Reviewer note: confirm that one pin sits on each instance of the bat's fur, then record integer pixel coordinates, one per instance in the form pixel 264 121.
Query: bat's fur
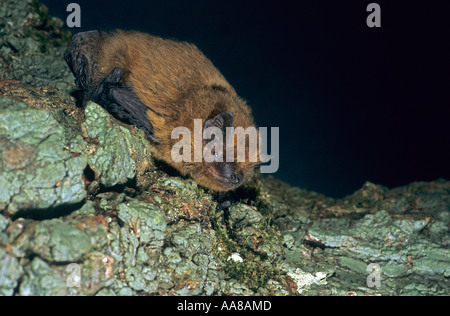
pixel 174 84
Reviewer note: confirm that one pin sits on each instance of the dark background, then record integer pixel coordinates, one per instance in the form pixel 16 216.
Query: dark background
pixel 353 103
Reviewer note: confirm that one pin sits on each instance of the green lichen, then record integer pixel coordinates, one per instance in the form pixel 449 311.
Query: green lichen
pixel 36 171
pixel 10 273
pixel 41 280
pixel 400 245
pixel 3 223
pixel 113 157
pixel 147 221
pixel 57 241
pixel 29 42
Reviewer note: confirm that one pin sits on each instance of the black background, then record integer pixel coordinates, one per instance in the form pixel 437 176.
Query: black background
pixel 353 103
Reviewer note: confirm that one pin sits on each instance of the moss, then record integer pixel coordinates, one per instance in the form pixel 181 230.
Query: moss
pixel 47 30
pixel 247 240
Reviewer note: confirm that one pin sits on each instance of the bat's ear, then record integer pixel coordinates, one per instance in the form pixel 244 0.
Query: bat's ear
pixel 256 164
pixel 221 120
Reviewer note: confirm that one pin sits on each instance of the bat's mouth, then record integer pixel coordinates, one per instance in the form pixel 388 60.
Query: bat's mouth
pixel 225 174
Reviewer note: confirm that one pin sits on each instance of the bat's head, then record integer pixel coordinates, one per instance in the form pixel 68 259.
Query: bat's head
pixel 223 152
pixel 230 153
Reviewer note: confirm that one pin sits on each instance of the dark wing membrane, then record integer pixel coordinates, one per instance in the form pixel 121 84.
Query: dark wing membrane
pixel 80 55
pixel 119 100
pixel 122 102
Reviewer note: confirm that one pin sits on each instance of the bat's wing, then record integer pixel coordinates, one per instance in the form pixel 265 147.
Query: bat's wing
pixel 122 102
pixel 111 93
pixel 81 56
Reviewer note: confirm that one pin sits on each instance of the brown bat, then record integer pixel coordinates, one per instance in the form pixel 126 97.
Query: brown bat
pixel 158 85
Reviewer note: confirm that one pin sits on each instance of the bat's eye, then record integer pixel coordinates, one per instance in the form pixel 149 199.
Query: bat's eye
pixel 235 179
pixel 214 153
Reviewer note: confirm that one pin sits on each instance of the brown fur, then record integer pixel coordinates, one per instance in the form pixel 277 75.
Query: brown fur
pixel 178 84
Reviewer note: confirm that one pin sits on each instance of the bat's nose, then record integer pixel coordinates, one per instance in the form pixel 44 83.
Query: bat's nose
pixel 235 179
